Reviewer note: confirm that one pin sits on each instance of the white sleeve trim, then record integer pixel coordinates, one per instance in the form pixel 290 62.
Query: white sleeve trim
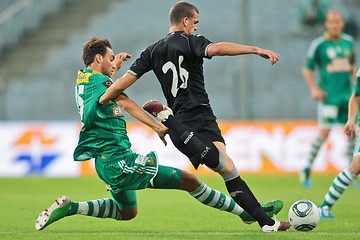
pixel 132 72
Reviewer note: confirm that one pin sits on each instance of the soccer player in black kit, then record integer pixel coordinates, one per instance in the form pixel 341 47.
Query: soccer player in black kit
pixel 177 61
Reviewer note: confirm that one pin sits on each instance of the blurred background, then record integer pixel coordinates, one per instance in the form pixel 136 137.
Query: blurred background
pixel 41 48
pixel 41 51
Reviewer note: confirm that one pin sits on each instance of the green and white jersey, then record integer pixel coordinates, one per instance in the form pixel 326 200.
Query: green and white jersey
pixel 334 60
pixel 103 132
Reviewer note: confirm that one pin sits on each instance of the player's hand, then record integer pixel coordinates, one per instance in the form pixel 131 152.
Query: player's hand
pixel 162 131
pixel 268 54
pixel 350 130
pixel 119 58
pixel 318 94
pixel 124 56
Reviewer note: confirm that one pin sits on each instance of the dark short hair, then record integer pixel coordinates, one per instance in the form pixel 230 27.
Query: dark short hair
pixel 95 46
pixel 181 10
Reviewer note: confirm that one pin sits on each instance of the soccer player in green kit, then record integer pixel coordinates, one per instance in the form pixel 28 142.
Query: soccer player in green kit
pixel 103 137
pixel 333 53
pixel 344 178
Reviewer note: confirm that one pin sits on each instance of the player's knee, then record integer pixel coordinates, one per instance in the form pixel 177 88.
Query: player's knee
pixel 129 214
pixel 189 182
pixel 324 134
pixel 221 163
pixel 229 173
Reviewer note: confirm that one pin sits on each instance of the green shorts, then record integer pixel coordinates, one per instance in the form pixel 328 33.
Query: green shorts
pixel 125 199
pixel 133 172
pixel 331 115
pixel 139 172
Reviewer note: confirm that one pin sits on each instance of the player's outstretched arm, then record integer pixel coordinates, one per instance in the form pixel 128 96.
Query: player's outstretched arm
pixel 137 112
pixel 350 126
pixel 234 49
pixel 117 88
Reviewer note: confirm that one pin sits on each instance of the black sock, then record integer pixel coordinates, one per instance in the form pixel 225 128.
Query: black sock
pixel 243 196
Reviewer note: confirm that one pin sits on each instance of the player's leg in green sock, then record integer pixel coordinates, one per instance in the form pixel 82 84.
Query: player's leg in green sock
pixel 101 208
pixel 305 174
pixel 315 147
pixel 339 185
pixel 216 199
pixel 63 206
pixel 123 206
pixel 173 178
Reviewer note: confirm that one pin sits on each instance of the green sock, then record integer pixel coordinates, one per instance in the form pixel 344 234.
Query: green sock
pixel 313 153
pixel 339 185
pixel 101 208
pixel 216 199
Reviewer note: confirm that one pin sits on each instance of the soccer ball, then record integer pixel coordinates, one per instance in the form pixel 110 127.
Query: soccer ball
pixel 304 215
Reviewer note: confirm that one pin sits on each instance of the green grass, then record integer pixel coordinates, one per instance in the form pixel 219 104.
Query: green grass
pixel 167 214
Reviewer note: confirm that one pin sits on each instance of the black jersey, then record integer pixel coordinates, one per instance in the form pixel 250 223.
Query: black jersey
pixel 177 61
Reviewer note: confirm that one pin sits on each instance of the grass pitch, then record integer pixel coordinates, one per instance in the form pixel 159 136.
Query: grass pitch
pixel 167 214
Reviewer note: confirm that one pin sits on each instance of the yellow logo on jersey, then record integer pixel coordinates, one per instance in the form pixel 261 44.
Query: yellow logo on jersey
pixel 83 77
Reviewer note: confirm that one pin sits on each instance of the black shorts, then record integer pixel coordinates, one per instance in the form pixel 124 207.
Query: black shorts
pixel 200 120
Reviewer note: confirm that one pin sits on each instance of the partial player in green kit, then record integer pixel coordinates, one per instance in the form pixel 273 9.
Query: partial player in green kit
pixel 333 54
pixel 344 178
pixel 103 137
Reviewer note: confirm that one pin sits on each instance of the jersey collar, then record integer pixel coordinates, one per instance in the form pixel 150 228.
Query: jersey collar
pixel 91 71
